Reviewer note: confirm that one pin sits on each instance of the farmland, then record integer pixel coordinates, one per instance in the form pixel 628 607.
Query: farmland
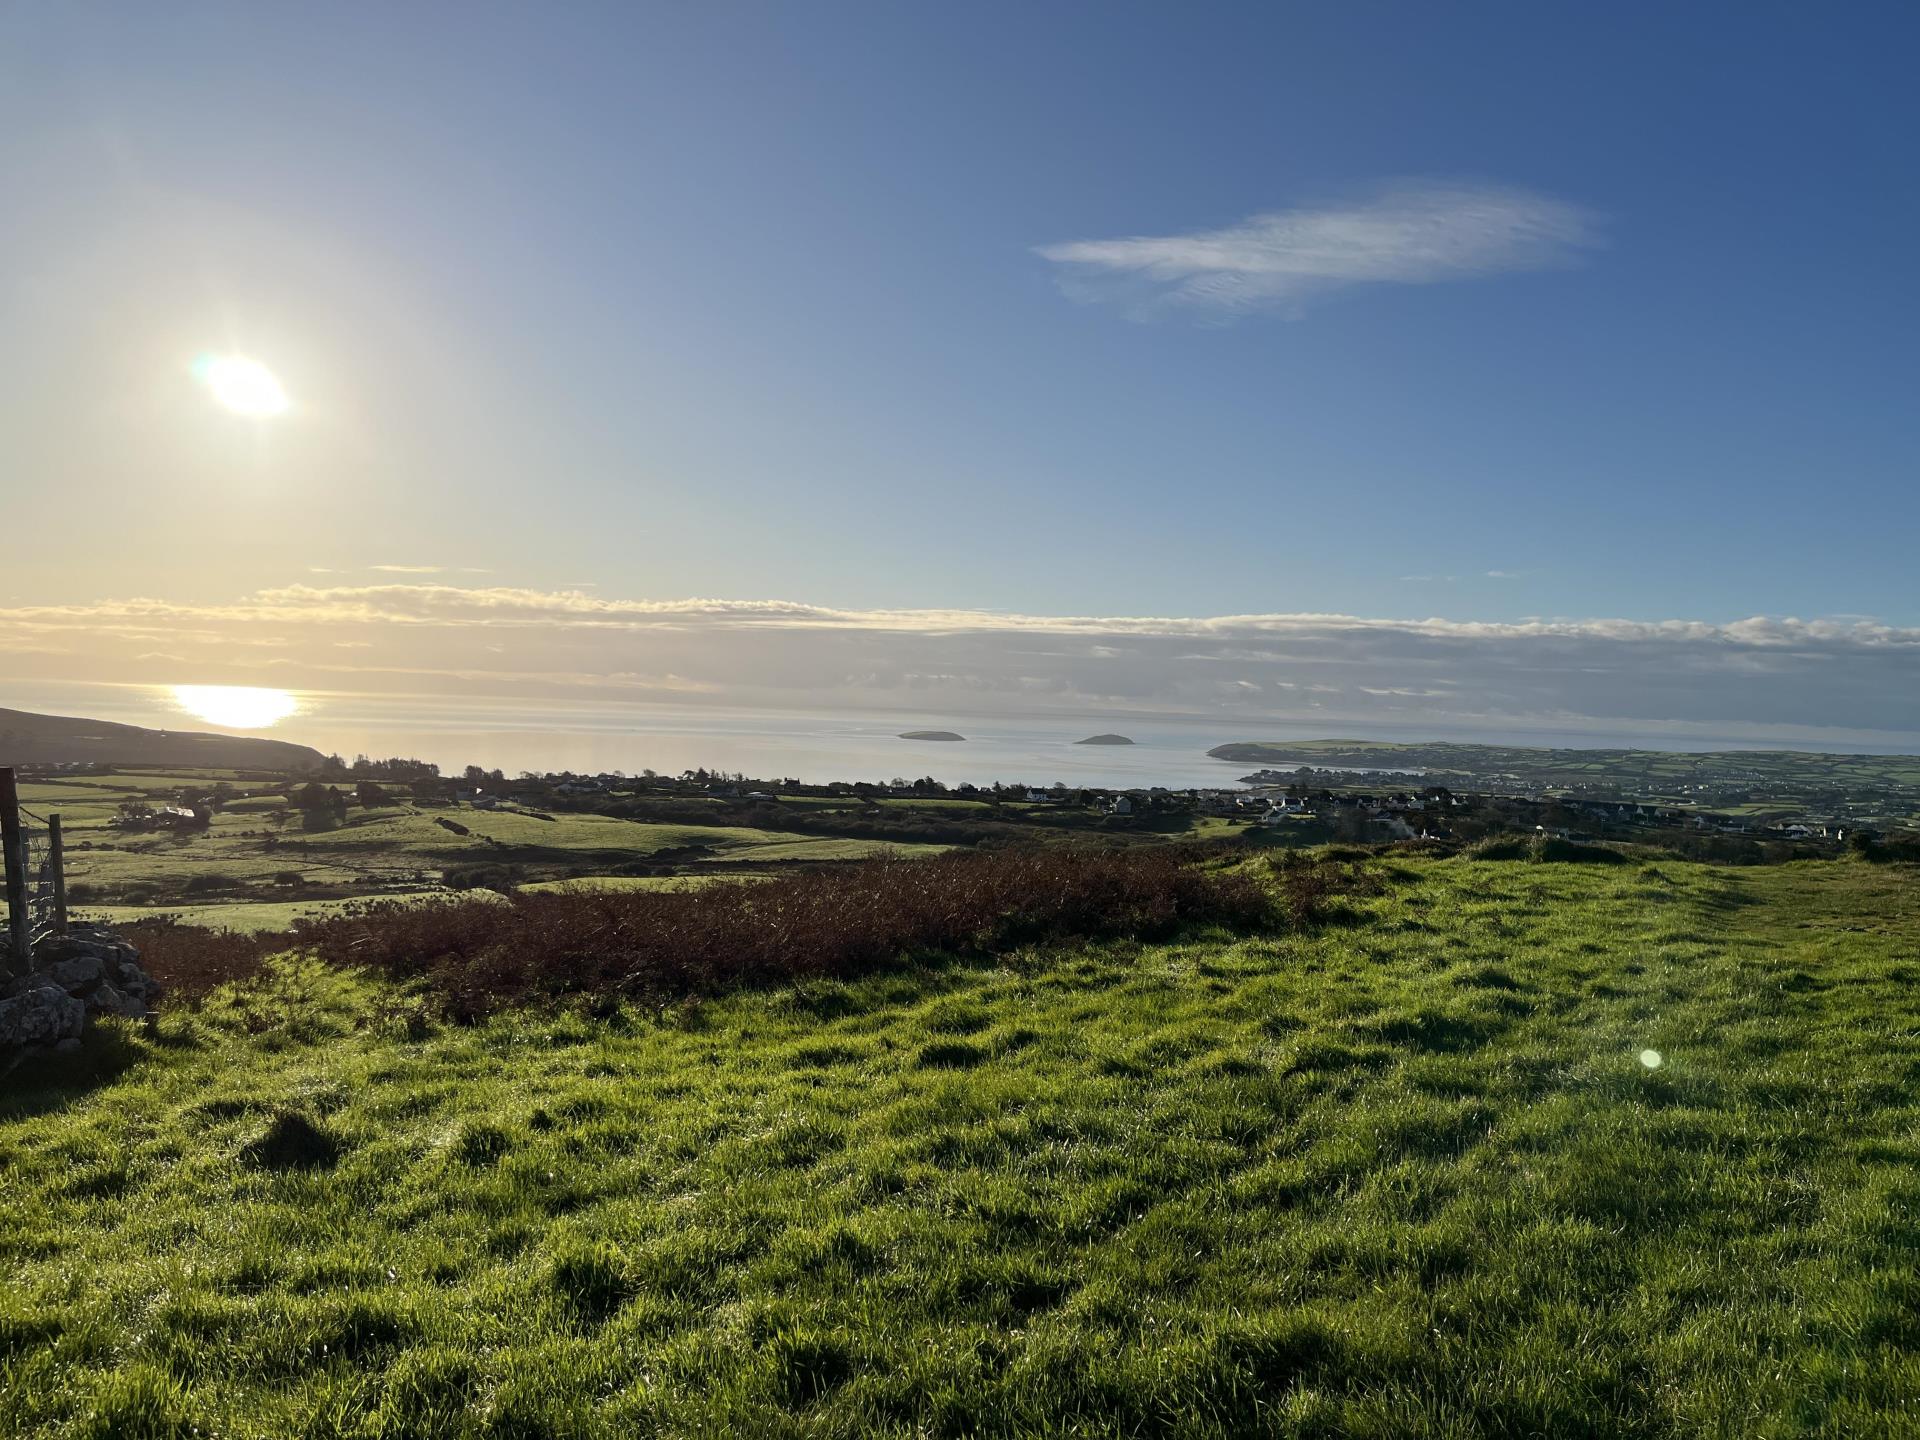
pixel 1503 1148
pixel 259 861
pixel 259 851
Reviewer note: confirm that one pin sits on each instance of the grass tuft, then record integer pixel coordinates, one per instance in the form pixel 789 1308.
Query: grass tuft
pixel 592 1279
pixel 140 1403
pixel 480 1143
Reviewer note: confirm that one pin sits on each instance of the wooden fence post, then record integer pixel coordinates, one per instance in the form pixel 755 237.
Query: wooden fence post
pixel 14 843
pixel 57 864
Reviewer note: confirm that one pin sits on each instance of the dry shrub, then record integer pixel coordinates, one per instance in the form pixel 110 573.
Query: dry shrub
pixel 188 960
pixel 480 956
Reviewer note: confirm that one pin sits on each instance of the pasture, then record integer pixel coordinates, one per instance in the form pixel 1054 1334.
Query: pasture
pixel 252 866
pixel 1511 1149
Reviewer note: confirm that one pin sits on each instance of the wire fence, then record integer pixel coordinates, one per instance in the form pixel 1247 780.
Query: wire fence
pixel 38 842
pixel 36 895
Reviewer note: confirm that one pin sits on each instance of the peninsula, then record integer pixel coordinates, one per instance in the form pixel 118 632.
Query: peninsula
pixel 30 739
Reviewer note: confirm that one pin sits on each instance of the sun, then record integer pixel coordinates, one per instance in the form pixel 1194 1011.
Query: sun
pixel 242 384
pixel 238 707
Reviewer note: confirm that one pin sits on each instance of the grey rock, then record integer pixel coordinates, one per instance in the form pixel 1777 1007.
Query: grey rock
pixel 108 1001
pixel 88 971
pixel 47 1014
pixel 76 973
pixel 66 1046
pixel 68 947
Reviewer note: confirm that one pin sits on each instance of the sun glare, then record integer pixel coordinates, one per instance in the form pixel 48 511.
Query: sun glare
pixel 242 384
pixel 238 707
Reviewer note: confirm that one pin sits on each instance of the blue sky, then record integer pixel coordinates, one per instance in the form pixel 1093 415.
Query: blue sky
pixel 779 302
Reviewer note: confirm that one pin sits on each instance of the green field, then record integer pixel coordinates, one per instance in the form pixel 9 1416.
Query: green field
pixel 257 853
pixel 253 916
pixel 638 882
pixel 1403 1176
pixel 250 917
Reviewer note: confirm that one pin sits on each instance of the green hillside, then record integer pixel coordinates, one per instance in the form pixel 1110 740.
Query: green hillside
pixel 1416 1173
pixel 1883 787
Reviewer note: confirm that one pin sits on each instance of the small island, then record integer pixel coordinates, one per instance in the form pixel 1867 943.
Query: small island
pixel 1104 740
pixel 930 735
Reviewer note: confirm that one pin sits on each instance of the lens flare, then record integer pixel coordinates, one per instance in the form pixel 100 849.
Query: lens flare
pixel 242 384
pixel 238 707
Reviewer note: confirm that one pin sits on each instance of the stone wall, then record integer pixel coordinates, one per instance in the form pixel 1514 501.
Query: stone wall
pixel 88 971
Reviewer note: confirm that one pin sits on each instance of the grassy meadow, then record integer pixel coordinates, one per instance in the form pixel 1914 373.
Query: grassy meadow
pixel 1408 1173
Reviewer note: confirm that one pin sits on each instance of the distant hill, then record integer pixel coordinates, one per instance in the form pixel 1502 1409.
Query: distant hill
pixel 930 735
pixel 1104 740
pixel 29 739
pixel 1876 789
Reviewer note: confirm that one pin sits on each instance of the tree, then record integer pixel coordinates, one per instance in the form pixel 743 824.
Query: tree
pixel 317 805
pixel 1351 824
pixel 369 795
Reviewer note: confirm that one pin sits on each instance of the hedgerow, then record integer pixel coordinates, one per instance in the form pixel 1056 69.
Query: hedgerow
pixel 480 955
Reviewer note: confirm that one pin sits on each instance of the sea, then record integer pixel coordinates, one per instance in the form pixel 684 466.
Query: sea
pixel 591 737
pixel 806 746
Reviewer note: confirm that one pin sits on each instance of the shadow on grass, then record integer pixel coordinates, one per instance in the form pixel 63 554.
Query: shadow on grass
pixel 44 1081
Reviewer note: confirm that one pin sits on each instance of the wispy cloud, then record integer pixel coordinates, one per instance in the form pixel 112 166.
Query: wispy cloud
pixel 1403 233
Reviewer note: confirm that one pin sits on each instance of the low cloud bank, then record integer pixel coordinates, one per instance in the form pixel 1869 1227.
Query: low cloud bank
pixel 1753 677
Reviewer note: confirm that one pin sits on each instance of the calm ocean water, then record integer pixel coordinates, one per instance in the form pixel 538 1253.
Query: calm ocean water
pixel 809 747
pixel 588 736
